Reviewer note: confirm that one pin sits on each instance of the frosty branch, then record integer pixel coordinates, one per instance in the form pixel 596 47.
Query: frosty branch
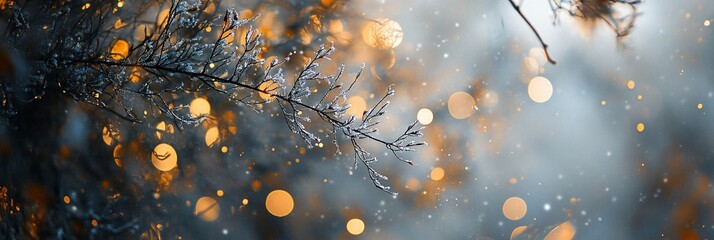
pixel 139 79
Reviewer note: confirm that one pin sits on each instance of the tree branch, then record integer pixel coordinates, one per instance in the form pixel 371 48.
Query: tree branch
pixel 542 43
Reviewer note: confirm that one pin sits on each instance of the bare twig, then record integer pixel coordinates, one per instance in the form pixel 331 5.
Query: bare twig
pixel 542 43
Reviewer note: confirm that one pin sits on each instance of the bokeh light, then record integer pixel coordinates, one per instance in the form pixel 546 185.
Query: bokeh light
pixel 164 157
pixel 425 116
pixel 109 134
pixel 357 106
pixel 631 84
pixel 207 208
pixel 514 208
pixel 461 105
pixel 268 89
pixel 437 174
pixel 564 231
pixel 199 107
pixel 212 136
pixel 355 226
pixel 382 33
pixel 279 203
pixel 518 231
pixel 120 50
pixel 540 90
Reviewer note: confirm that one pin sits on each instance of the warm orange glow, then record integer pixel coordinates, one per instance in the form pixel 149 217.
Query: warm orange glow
pixel 355 226
pixel 66 199
pixel 212 136
pixel 219 193
pixel 246 13
pixel 540 90
pixel 357 106
pixel 164 157
pixel 437 174
pixel 326 3
pixel 279 203
pixel 210 8
pixel 268 88
pixel 518 231
pixel 199 107
pixel 109 134
pixel 514 208
pixel 461 105
pixel 135 76
pixel 163 128
pixel 413 184
pixel 255 185
pixel 336 26
pixel 640 127
pixel 118 24
pixel 118 154
pixel 565 231
pixel 120 50
pixel 382 33
pixel 207 208
pixel 631 84
pixel 700 106
pixel 163 18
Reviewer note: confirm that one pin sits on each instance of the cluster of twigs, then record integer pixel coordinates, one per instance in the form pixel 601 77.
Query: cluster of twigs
pixel 604 10
pixel 179 54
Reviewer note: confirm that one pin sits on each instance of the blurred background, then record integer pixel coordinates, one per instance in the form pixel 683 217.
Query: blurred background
pixel 612 142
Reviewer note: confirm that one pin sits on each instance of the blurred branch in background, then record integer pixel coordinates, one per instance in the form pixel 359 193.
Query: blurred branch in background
pixel 589 10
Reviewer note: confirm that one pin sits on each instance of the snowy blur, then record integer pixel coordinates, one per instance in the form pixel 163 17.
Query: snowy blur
pixel 577 158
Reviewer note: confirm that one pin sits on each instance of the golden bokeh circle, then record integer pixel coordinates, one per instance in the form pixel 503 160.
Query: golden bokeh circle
pixel 461 105
pixel 355 226
pixel 207 209
pixel 437 174
pixel 212 136
pixel 120 50
pixel 199 107
pixel 357 106
pixel 164 157
pixel 279 203
pixel 631 84
pixel 514 208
